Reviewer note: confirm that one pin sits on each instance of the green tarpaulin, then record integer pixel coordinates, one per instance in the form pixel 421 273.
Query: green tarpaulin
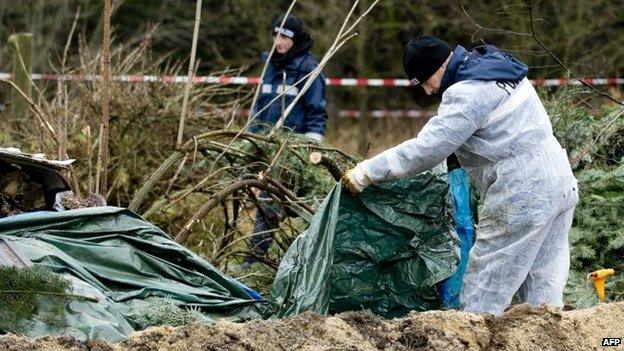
pixel 114 255
pixel 382 251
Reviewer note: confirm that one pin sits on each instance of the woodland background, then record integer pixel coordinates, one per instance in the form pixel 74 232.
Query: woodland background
pixel 586 35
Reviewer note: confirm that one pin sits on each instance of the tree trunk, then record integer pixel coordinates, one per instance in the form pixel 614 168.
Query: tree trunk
pixel 102 169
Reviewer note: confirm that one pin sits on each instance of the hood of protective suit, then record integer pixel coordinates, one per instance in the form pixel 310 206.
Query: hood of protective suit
pixel 485 62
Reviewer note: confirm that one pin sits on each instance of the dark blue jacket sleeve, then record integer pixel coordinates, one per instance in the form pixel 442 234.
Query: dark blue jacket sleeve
pixel 314 106
pixel 254 125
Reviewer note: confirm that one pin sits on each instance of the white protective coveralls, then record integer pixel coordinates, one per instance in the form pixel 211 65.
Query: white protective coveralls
pixel 502 136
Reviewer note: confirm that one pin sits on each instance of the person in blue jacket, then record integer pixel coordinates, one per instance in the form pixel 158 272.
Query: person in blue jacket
pixel 291 61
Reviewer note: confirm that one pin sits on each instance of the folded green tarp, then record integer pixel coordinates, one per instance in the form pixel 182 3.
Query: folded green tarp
pixel 115 255
pixel 383 251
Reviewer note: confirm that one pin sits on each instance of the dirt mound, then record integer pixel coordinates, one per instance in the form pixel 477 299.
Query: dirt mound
pixel 521 328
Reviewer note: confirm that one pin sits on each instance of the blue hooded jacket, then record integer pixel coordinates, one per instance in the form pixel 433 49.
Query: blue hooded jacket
pixel 485 62
pixel 309 114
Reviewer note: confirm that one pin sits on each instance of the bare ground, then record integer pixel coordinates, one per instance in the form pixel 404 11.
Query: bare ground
pixel 521 328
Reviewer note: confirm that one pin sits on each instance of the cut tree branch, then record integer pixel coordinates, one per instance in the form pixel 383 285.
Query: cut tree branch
pixel 217 198
pixel 318 158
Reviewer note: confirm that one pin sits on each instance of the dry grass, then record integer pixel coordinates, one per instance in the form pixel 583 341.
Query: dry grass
pixel 143 117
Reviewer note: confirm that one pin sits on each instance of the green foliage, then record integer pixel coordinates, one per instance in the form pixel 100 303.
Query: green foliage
pixel 157 311
pixel 225 233
pixel 592 136
pixel 597 238
pixel 573 123
pixel 27 292
pixel 291 168
pixel 258 276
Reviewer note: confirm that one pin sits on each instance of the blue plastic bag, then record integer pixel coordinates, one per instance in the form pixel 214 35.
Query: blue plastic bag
pixel 459 188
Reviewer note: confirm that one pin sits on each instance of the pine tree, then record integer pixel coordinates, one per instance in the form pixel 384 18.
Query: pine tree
pixel 29 292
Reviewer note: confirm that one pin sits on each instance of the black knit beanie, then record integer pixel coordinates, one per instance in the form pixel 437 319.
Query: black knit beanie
pixel 293 27
pixel 423 56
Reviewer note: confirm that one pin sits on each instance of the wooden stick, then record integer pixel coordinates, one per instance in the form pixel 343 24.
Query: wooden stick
pixel 268 185
pixel 189 76
pixel 289 194
pixel 21 45
pixel 348 31
pixel 278 153
pixel 256 94
pixel 215 200
pixel 177 156
pixel 315 73
pixel 339 41
pixel 341 38
pixel 36 109
pixel 62 105
pixel 324 148
pixel 68 41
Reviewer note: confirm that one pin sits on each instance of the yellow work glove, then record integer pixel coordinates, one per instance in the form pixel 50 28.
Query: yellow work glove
pixel 349 183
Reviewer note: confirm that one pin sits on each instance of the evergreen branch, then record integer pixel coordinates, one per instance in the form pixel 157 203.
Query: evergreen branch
pixel 51 293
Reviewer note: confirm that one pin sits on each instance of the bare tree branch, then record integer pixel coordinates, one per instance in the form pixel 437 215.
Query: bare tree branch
pixel 562 64
pixel 492 30
pixel 217 198
pixel 533 35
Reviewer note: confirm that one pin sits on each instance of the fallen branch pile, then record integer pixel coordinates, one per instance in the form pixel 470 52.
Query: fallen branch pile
pixel 280 165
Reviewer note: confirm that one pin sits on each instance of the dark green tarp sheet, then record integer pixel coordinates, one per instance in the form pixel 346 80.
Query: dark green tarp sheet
pixel 383 251
pixel 115 255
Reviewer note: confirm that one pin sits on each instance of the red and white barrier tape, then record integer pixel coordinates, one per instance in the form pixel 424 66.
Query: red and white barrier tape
pixel 344 82
pixel 375 113
pixel 387 113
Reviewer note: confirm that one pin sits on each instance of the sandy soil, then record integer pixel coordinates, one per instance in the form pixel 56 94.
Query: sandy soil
pixel 521 328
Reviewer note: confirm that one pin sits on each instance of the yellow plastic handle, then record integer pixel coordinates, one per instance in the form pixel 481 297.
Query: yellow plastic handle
pixel 601 274
pixel 598 277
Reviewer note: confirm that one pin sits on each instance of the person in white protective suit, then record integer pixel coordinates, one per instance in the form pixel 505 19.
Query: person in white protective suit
pixel 493 120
